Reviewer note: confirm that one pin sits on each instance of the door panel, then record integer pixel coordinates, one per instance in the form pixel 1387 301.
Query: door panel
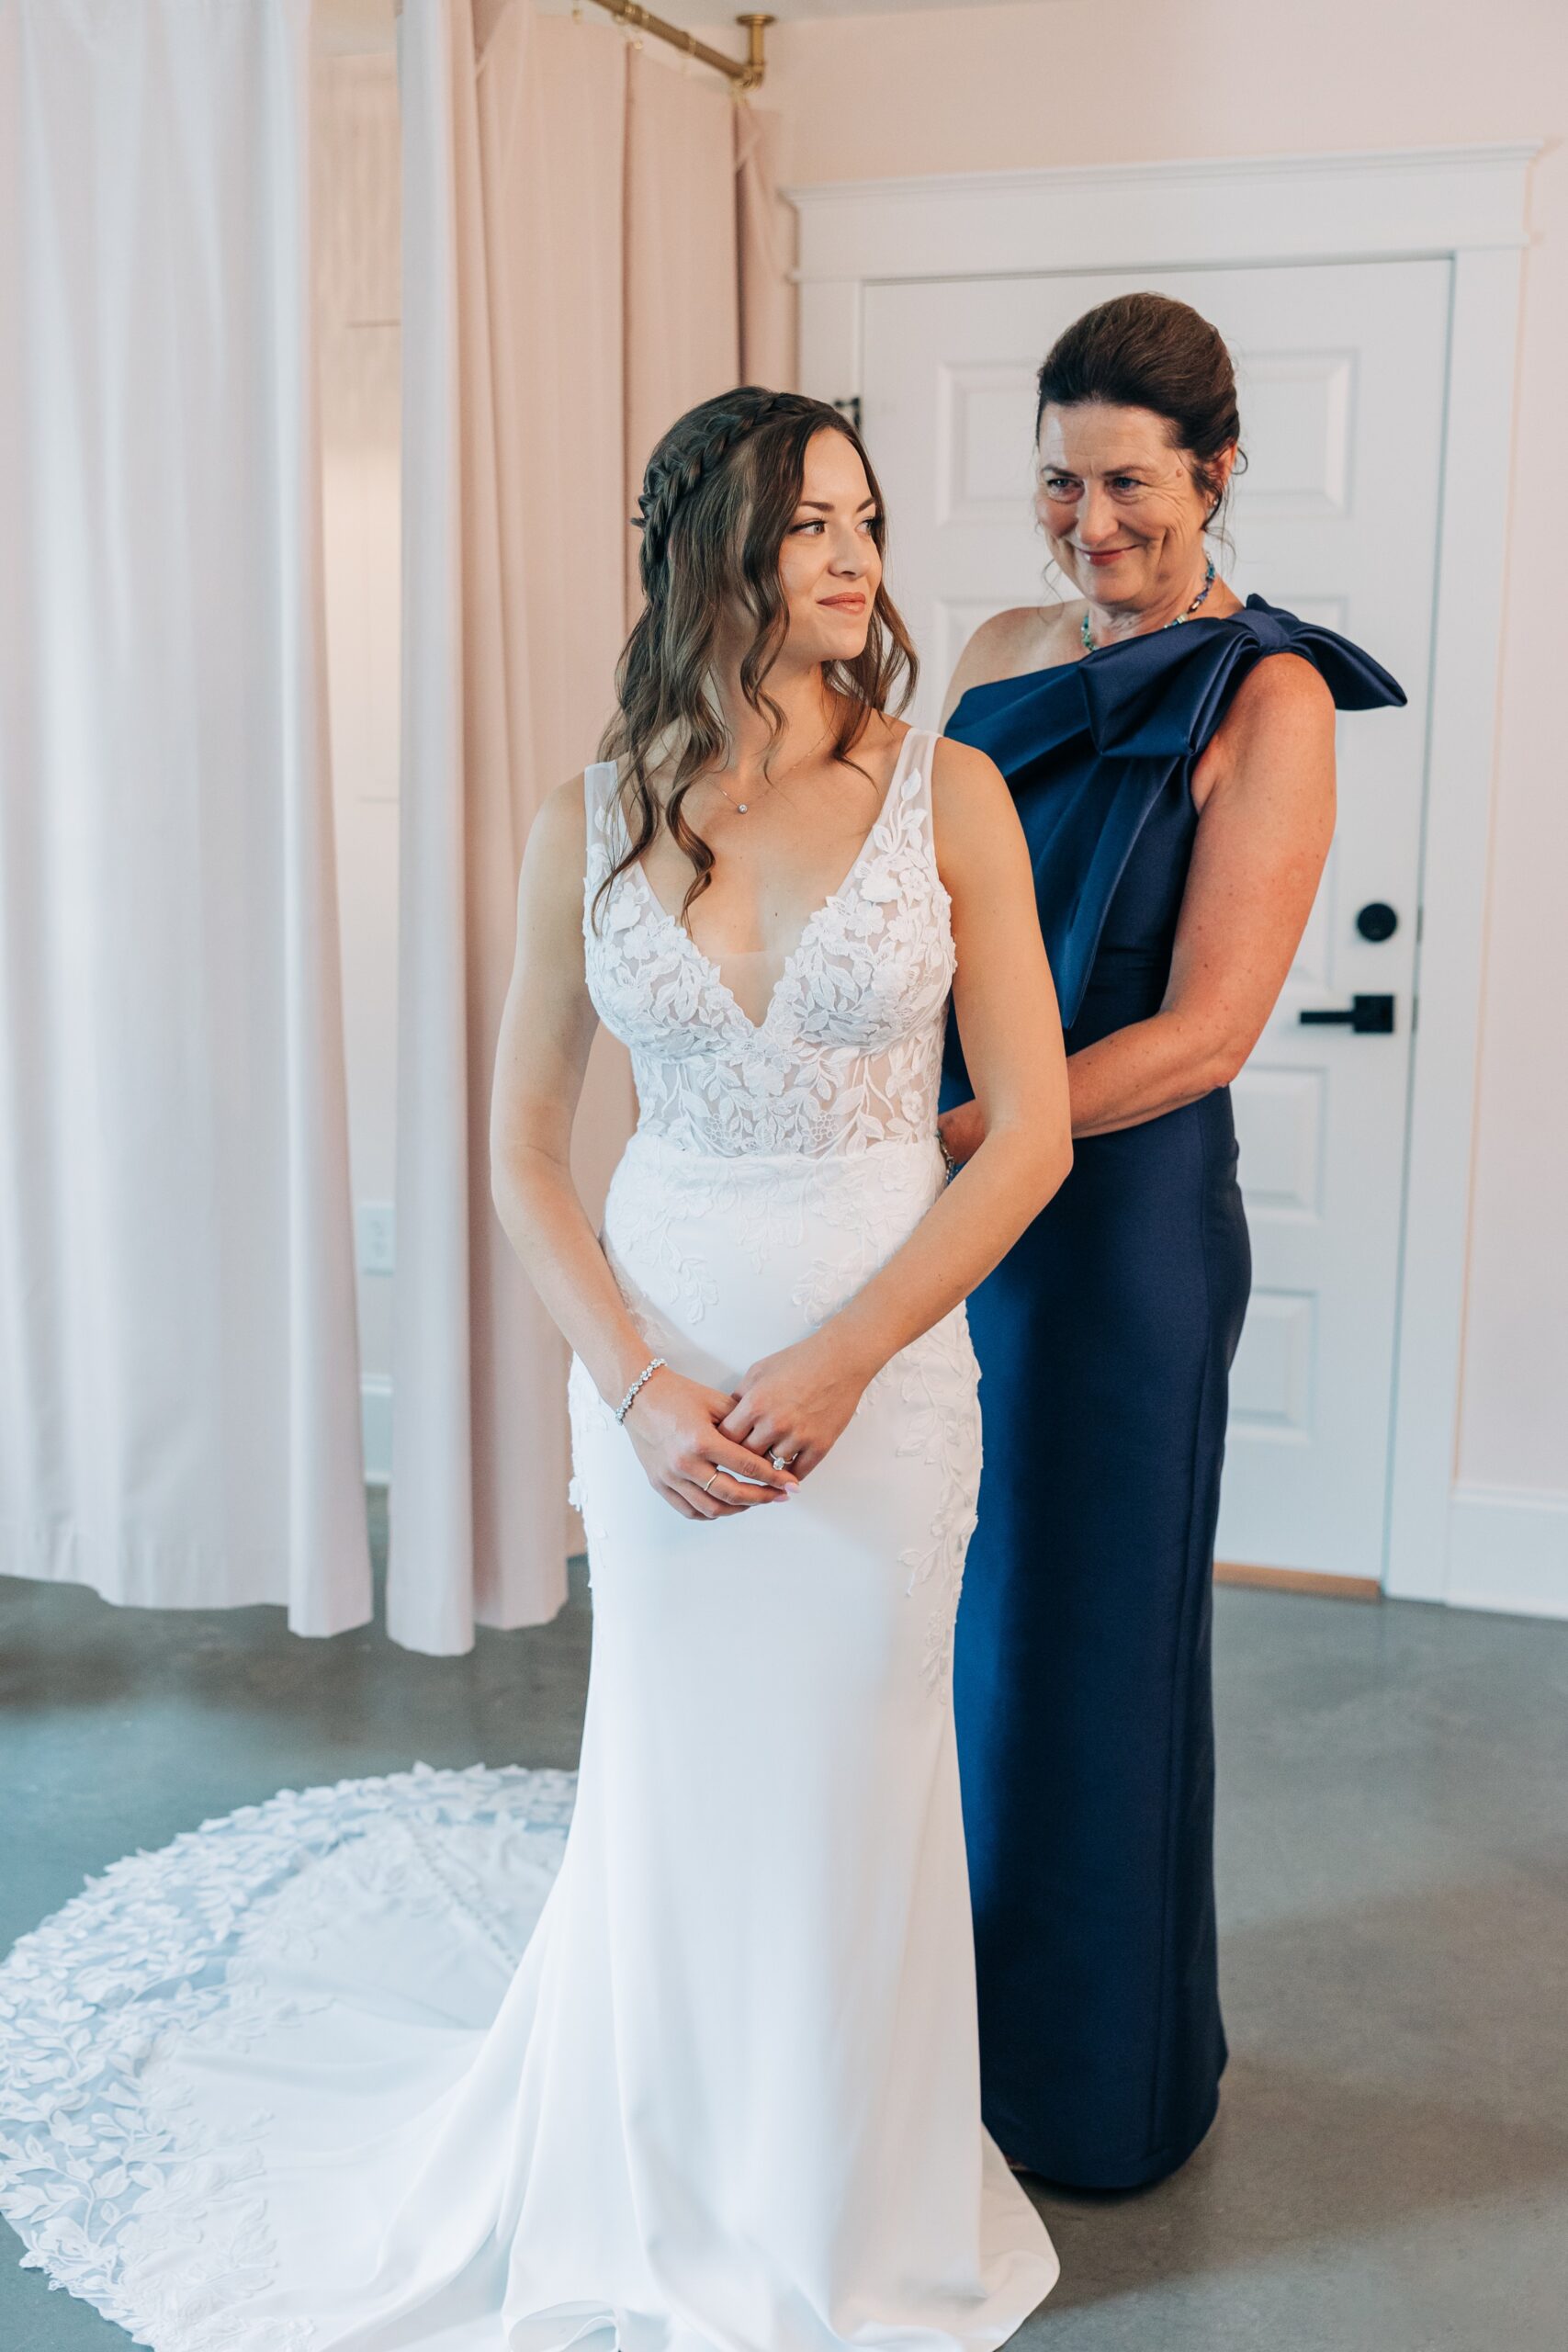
pixel 1341 371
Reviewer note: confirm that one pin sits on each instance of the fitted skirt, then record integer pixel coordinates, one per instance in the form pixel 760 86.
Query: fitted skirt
pixel 412 2066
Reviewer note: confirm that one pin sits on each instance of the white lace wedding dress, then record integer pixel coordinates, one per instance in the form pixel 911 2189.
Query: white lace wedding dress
pixel 288 2085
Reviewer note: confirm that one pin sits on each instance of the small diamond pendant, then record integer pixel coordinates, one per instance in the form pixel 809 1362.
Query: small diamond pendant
pixel 741 808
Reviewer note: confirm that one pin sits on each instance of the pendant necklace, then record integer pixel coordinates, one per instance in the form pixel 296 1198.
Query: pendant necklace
pixel 740 806
pixel 1175 622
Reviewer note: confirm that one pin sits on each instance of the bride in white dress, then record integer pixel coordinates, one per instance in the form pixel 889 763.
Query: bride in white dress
pixel 729 2101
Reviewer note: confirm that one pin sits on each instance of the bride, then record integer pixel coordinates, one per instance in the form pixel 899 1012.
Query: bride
pixel 729 2099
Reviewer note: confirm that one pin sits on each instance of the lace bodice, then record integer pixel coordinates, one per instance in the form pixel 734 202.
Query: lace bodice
pixel 849 1051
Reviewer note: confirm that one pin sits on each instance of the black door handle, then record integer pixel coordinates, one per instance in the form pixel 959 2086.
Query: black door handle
pixel 1368 1016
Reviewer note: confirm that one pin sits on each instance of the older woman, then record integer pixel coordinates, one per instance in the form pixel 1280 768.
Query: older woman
pixel 1170 752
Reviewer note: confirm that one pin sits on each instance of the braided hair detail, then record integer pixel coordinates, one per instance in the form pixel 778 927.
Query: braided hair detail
pixel 674 474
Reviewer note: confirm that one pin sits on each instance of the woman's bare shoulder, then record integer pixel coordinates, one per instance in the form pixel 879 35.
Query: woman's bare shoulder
pixel 1011 643
pixel 1283 684
pixel 555 851
pixel 969 796
pixel 1283 697
pixel 561 820
pixel 1281 719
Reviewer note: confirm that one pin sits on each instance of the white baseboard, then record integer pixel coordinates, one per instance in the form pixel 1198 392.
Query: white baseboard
pixel 1508 1551
pixel 376 1427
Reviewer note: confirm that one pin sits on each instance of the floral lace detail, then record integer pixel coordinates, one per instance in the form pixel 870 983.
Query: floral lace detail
pixel 849 1051
pixel 771 1134
pixel 101 2173
pixel 642 1238
pixel 939 1381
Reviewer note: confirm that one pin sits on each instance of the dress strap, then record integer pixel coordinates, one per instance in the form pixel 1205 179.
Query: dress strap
pixel 600 778
pixel 920 751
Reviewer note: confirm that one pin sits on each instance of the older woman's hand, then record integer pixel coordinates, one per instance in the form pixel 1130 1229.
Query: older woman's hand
pixel 963 1130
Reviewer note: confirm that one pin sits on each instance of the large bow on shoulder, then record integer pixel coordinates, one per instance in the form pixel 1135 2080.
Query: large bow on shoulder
pixel 1164 693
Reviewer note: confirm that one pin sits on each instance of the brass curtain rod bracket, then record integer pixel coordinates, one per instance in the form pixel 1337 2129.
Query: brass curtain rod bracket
pixel 746 76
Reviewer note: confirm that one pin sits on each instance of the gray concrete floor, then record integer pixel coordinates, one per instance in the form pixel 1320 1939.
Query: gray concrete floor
pixel 1390 2169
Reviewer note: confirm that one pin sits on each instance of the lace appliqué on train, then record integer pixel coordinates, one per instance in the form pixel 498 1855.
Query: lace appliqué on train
pixel 102 2173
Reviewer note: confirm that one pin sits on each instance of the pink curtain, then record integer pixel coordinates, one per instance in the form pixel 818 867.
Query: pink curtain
pixel 571 282
pixel 683 299
pixel 765 227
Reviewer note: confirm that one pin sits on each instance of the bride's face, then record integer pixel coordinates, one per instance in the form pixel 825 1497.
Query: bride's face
pixel 829 564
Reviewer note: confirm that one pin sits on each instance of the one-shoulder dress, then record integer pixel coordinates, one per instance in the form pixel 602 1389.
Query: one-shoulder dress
pixel 1105 1340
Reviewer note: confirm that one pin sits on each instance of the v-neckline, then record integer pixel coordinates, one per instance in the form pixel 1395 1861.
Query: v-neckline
pixel 758 1028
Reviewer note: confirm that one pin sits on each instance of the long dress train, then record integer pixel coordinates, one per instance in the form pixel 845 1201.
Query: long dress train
pixel 729 2101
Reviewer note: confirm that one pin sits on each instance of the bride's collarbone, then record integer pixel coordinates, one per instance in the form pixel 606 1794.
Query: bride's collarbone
pixel 773 870
pixel 754 908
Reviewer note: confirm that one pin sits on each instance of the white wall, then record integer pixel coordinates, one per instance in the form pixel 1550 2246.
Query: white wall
pixel 1062 82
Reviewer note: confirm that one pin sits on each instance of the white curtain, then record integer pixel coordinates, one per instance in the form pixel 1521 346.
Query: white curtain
pixel 575 216
pixel 178 1376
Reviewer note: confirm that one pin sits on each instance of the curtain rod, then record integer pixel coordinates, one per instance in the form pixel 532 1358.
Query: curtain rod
pixel 748 76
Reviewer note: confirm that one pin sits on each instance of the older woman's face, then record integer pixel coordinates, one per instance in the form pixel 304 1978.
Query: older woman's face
pixel 1119 505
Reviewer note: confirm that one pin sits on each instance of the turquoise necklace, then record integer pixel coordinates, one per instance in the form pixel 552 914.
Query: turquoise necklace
pixel 1174 623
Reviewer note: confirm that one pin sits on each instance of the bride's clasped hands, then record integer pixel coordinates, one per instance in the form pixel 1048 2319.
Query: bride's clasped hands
pixel 711 1455
pixel 793 1406
pixel 679 1432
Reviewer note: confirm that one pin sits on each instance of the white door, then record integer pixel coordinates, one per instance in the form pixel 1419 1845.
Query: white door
pixel 1341 371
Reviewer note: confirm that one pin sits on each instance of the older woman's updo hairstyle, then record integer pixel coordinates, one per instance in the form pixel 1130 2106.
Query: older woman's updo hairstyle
pixel 1147 351
pixel 717 497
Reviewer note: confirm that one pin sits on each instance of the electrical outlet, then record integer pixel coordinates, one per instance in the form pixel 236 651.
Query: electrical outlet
pixel 375 1237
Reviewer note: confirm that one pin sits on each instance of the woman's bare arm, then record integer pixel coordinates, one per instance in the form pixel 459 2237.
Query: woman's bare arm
pixel 547 1028
pixel 1263 834
pixel 1012 1032
pixel 1013 1042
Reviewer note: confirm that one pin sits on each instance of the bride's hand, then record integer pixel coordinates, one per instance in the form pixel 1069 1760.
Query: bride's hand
pixel 673 1427
pixel 796 1403
pixel 962 1130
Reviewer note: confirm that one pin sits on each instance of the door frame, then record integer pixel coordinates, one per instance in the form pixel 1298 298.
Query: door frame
pixel 1465 204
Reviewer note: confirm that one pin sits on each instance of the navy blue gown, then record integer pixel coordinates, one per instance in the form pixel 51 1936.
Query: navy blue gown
pixel 1105 1340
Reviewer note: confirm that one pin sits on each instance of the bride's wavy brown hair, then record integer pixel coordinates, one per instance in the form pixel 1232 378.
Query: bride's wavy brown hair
pixel 718 496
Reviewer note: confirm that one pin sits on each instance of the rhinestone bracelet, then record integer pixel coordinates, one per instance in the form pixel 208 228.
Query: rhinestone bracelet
pixel 652 1365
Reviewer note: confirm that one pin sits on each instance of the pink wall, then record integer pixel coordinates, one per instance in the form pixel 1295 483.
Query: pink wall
pixel 1126 81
